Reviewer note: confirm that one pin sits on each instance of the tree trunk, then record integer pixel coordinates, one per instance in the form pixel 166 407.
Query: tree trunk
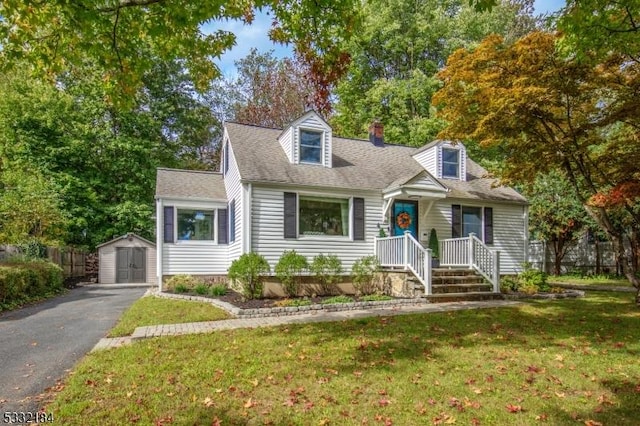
pixel 596 246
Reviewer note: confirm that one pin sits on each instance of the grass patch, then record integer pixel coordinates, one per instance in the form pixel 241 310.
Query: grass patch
pixel 156 310
pixel 337 299
pixel 375 298
pixel 284 303
pixel 556 362
pixel 604 280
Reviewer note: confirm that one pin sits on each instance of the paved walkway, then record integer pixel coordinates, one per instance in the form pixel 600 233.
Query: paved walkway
pixel 593 287
pixel 211 326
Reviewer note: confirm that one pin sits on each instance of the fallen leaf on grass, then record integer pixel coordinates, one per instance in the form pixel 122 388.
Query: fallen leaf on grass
pixel 250 403
pixel 383 402
pixel 592 423
pixel 208 402
pixel 514 408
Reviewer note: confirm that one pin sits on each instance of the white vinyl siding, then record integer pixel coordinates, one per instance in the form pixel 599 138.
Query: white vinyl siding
pixel 429 160
pixel 285 141
pixel 509 232
pixel 233 188
pixel 268 229
pixel 201 258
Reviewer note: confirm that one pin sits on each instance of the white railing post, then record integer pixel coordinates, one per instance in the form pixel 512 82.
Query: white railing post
pixel 427 272
pixel 471 244
pixel 496 271
pixel 375 247
pixel 405 250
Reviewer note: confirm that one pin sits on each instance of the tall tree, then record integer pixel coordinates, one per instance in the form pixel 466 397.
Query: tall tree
pixel 268 91
pixel 556 215
pixel 54 35
pixel 396 55
pixel 99 159
pixel 552 112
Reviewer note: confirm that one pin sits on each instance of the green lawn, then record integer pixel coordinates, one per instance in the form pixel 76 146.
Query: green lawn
pixel 554 362
pixel 604 280
pixel 156 310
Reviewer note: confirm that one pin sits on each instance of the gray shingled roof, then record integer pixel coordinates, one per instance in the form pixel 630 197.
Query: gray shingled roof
pixel 190 184
pixel 357 164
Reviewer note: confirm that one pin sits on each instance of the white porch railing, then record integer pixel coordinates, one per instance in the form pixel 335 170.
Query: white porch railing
pixel 406 252
pixel 473 253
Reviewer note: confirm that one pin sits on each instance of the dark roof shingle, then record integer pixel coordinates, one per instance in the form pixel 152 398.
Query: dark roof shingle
pixel 190 184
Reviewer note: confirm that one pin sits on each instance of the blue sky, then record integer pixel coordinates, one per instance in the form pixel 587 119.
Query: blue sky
pixel 255 35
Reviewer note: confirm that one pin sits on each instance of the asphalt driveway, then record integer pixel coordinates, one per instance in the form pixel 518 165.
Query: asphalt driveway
pixel 39 344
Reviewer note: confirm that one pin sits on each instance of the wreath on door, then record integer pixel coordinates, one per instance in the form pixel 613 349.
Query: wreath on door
pixel 403 220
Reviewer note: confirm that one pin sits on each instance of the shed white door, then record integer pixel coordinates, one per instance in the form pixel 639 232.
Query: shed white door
pixel 130 264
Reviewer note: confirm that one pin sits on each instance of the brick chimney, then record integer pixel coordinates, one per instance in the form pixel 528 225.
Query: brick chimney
pixel 376 133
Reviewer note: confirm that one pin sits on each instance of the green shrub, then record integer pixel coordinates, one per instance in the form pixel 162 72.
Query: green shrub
pixel 201 289
pixel 22 280
pixel 292 302
pixel 218 290
pixel 363 274
pixel 249 269
pixel 509 284
pixel 289 269
pixel 326 270
pixel 532 277
pixel 337 299
pixel 187 282
pixel 433 244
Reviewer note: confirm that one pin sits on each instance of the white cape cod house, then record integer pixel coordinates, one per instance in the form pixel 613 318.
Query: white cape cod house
pixel 303 188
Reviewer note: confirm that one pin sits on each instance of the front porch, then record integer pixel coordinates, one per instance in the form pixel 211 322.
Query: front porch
pixel 456 254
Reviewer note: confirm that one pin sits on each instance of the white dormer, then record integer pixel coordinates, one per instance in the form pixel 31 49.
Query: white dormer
pixel 444 160
pixel 307 141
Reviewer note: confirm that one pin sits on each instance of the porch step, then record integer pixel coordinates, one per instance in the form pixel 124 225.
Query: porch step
pixel 457 279
pixel 442 272
pixel 461 288
pixel 460 297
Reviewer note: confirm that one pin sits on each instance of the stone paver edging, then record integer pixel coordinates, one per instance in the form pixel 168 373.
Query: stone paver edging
pixel 295 310
pixel 301 318
pixel 593 287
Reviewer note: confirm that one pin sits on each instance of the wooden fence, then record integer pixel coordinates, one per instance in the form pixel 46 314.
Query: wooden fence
pixel 72 261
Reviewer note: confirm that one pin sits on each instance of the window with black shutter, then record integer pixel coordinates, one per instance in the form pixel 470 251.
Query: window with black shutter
pixel 488 225
pixel 290 215
pixel 358 219
pixel 232 221
pixel 456 221
pixel 168 224
pixel 223 237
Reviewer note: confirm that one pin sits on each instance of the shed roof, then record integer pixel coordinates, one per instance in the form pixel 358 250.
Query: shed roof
pixel 124 237
pixel 190 184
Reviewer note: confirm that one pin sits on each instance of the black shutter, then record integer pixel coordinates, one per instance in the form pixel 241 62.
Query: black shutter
pixel 290 215
pixel 358 219
pixel 456 221
pixel 168 225
pixel 232 221
pixel 488 225
pixel 223 237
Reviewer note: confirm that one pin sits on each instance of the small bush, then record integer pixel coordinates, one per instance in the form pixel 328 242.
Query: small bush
pixel 188 282
pixel 249 269
pixel 289 269
pixel 201 289
pixel 509 284
pixel 363 273
pixel 326 270
pixel 218 290
pixel 532 277
pixel 181 288
pixel 337 299
pixel 292 302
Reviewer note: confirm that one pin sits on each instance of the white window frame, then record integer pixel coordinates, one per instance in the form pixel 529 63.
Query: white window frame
pixel 348 237
pixel 195 242
pixel 442 162
pixel 322 147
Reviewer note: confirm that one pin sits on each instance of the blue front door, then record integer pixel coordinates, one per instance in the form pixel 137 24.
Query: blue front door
pixel 405 217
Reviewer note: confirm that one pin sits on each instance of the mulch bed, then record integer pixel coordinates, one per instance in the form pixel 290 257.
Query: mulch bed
pixel 239 301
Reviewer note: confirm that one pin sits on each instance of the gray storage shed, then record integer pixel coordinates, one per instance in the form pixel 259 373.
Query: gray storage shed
pixel 127 259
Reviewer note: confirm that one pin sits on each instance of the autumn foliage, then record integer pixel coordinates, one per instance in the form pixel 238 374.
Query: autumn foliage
pixel 548 112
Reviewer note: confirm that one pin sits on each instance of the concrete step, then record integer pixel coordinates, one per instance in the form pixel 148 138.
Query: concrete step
pixel 461 288
pixel 441 272
pixel 463 297
pixel 455 279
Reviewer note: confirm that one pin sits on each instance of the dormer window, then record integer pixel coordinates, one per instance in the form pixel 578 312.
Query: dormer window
pixel 450 163
pixel 310 147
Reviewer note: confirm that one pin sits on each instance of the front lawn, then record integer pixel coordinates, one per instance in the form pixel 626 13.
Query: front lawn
pixel 604 280
pixel 571 361
pixel 156 310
